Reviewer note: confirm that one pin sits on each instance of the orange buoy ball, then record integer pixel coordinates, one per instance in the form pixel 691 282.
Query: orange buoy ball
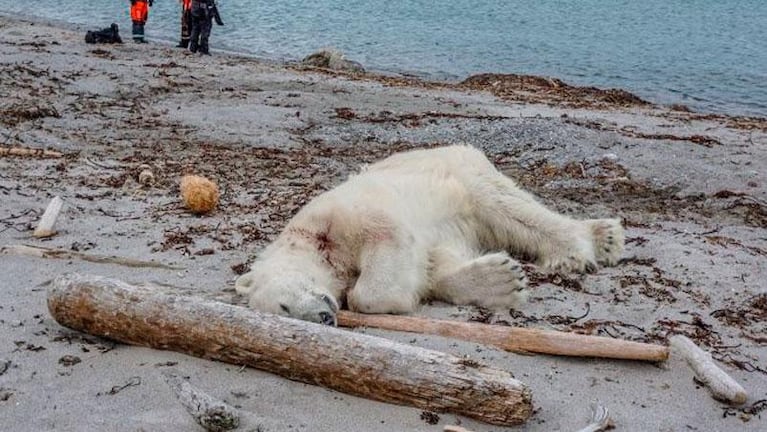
pixel 200 195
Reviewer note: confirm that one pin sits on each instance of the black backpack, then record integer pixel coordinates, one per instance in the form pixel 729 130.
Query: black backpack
pixel 108 35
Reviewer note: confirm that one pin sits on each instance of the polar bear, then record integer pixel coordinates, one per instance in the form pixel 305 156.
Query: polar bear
pixel 440 223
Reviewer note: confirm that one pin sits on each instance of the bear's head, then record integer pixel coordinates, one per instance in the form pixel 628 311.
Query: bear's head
pixel 288 293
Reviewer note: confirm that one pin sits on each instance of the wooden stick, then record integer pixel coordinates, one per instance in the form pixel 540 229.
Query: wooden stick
pixel 42 252
pixel 722 386
pixel 600 420
pixel 454 428
pixel 514 339
pixel 349 362
pixel 21 151
pixel 45 226
pixel 210 413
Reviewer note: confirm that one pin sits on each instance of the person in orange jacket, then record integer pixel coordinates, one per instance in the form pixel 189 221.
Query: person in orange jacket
pixel 186 23
pixel 139 12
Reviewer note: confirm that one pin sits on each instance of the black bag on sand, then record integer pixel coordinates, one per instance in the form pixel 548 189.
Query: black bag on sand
pixel 107 35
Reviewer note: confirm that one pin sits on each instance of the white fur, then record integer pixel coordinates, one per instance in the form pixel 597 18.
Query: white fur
pixel 437 223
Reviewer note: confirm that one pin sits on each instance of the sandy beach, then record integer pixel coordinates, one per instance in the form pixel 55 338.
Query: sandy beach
pixel 691 188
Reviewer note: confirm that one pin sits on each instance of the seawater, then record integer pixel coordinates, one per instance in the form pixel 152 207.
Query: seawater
pixel 708 54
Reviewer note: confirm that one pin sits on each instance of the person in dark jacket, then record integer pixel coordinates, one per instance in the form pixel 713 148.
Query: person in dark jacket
pixel 203 14
pixel 186 23
pixel 139 12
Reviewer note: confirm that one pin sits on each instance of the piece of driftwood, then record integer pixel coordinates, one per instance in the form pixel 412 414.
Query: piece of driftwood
pixel 41 252
pixel 28 152
pixel 212 414
pixel 514 339
pixel 454 428
pixel 146 177
pixel 349 362
pixel 600 420
pixel 45 226
pixel 721 385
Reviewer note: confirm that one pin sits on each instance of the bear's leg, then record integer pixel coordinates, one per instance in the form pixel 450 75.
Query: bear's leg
pixel 392 278
pixel 494 281
pixel 515 221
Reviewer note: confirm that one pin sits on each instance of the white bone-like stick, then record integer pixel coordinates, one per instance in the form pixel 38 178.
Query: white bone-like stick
pixel 45 227
pixel 721 385
pixel 454 428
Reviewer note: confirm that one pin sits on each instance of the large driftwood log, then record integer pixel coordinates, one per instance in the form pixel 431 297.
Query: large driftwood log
pixel 514 339
pixel 353 363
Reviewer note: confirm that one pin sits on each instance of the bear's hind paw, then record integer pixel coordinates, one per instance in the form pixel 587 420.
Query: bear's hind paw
pixel 494 281
pixel 573 263
pixel 608 240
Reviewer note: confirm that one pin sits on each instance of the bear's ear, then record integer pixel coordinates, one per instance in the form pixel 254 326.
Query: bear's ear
pixel 245 284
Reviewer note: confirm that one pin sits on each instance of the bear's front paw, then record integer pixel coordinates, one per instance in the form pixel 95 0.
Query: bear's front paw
pixel 395 300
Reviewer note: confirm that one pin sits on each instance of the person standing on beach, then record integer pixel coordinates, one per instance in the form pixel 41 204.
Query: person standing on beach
pixel 139 12
pixel 186 23
pixel 203 14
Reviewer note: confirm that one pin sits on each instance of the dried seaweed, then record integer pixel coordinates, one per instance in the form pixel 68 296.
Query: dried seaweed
pixel 703 140
pixel 132 382
pixel 755 409
pixel 649 262
pixel 728 241
pixel 345 113
pixel 749 316
pixel 569 282
pixel 430 417
pixel 567 320
pixel 19 112
pixel 611 328
pixel 513 86
pixel 702 333
pixel 740 364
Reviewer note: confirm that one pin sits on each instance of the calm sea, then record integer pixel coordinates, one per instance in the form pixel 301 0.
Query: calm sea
pixel 708 54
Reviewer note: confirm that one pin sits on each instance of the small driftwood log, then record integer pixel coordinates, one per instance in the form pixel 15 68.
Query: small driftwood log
pixel 600 420
pixel 210 413
pixel 721 385
pixel 512 339
pixel 28 152
pixel 45 226
pixel 42 252
pixel 349 362
pixel 454 428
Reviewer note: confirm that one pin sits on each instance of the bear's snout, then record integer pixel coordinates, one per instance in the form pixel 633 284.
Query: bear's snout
pixel 328 318
pixel 315 307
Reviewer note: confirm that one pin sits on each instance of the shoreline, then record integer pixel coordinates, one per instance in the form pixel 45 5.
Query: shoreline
pixel 539 83
pixel 690 189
